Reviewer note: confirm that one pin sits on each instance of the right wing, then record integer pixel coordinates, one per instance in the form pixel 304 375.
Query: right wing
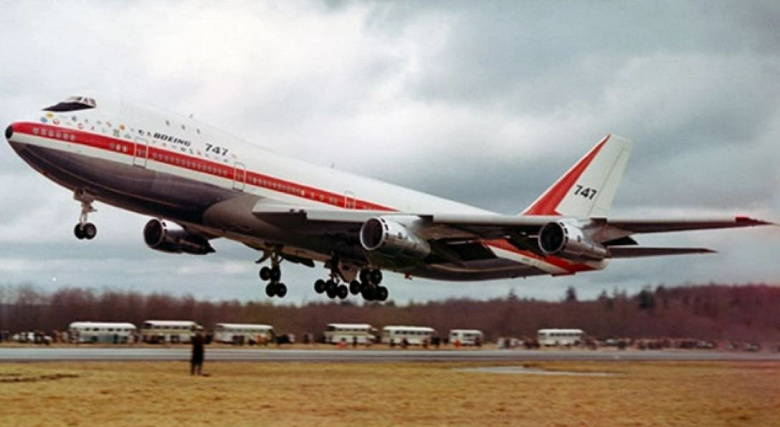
pixel 522 232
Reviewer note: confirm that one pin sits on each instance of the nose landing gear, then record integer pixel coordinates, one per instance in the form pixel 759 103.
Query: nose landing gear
pixel 85 229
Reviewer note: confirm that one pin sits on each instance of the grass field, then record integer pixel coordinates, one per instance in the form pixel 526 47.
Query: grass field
pixel 163 393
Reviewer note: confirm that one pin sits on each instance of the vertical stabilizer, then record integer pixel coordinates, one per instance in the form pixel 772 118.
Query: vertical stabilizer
pixel 587 189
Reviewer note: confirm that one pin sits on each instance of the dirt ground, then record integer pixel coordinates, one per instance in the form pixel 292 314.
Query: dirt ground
pixel 235 393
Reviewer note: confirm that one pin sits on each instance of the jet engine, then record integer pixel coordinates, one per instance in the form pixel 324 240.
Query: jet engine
pixel 163 237
pixel 393 236
pixel 569 241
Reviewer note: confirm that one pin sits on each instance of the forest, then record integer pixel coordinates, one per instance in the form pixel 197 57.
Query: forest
pixel 718 312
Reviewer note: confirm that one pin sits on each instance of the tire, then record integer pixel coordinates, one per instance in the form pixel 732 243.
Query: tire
pixel 265 273
pixel 382 293
pixel 89 230
pixel 78 232
pixel 342 292
pixel 331 293
pixel 319 286
pixel 281 290
pixel 376 276
pixel 270 290
pixel 367 293
pixel 276 274
pixel 354 287
pixel 331 286
pixel 365 276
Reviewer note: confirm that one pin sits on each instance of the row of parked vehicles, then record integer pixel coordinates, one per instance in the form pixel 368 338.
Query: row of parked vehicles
pixel 173 331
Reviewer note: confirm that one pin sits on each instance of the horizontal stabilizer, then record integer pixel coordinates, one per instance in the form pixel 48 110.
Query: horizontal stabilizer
pixel 637 252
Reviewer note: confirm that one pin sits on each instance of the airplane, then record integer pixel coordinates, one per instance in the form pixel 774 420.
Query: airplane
pixel 199 183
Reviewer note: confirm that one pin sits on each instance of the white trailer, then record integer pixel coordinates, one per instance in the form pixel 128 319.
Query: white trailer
pixel 101 332
pixel 349 333
pixel 414 335
pixel 240 333
pixel 169 331
pixel 560 337
pixel 467 336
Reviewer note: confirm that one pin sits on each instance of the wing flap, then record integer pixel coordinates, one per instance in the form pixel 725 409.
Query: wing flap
pixel 665 225
pixel 637 252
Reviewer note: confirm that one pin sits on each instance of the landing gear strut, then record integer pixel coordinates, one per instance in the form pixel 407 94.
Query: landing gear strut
pixel 85 229
pixel 273 275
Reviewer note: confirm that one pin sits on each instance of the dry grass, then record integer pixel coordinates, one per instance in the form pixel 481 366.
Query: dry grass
pixel 163 393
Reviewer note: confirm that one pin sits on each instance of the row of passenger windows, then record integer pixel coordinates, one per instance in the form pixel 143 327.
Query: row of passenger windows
pixel 51 133
pixel 124 148
pixel 174 160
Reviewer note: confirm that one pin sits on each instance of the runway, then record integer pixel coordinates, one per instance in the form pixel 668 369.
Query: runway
pixel 101 354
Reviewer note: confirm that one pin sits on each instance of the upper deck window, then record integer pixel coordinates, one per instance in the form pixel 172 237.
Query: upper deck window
pixel 73 103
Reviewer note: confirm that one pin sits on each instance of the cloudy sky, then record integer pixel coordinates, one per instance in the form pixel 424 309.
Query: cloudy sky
pixel 482 102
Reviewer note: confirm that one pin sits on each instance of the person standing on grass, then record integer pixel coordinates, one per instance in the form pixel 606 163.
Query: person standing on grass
pixel 196 361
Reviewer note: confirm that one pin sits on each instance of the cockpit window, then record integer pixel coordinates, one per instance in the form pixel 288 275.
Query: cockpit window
pixel 73 103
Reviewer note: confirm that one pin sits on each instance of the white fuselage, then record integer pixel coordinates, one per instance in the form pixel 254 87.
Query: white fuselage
pixel 157 163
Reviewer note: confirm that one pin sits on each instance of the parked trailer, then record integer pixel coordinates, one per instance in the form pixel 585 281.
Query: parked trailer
pixel 169 331
pixel 101 332
pixel 361 333
pixel 414 335
pixel 560 337
pixel 467 337
pixel 240 333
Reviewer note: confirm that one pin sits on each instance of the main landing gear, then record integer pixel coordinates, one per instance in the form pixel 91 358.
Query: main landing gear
pixel 84 229
pixel 273 275
pixel 368 286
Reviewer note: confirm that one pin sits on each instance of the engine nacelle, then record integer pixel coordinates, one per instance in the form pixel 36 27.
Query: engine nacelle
pixel 569 241
pixel 392 236
pixel 162 237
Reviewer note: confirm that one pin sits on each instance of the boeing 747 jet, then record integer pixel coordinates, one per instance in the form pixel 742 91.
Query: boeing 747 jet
pixel 199 184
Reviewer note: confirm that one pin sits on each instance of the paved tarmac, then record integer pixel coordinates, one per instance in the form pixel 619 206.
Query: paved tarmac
pixel 100 354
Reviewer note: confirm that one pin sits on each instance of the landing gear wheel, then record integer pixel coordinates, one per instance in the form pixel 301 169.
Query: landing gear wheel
pixel 382 293
pixel 319 286
pixel 367 293
pixel 332 292
pixel 354 287
pixel 265 273
pixel 276 274
pixel 330 287
pixel 365 276
pixel 281 290
pixel 342 292
pixel 376 276
pixel 78 231
pixel 270 290
pixel 89 230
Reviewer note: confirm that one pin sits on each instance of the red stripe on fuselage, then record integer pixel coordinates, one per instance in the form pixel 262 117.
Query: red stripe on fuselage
pixel 226 171
pixel 192 163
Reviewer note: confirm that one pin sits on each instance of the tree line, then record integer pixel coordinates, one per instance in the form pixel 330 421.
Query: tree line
pixel 710 312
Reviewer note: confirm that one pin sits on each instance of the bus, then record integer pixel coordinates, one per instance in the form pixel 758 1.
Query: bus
pixel 560 337
pixel 414 335
pixel 101 332
pixel 361 333
pixel 240 333
pixel 467 337
pixel 169 331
